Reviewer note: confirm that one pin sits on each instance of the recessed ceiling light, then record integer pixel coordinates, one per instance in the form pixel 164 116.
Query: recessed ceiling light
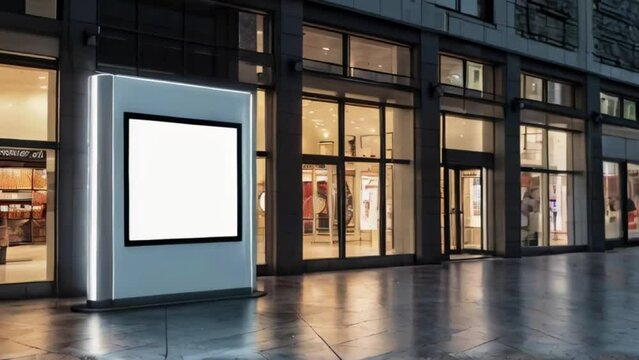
pixel 311 112
pixel 43 87
pixel 42 77
pixel 326 48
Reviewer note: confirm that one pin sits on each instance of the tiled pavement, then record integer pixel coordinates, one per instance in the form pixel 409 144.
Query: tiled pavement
pixel 575 306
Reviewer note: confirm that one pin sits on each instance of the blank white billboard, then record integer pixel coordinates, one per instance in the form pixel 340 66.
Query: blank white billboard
pixel 183 180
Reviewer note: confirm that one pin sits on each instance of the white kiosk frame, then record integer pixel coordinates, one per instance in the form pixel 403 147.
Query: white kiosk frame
pixel 164 271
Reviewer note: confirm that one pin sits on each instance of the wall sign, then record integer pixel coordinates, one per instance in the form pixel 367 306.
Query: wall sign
pixel 188 191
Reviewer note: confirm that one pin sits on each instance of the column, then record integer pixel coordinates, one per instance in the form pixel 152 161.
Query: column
pixel 285 179
pixel 593 165
pixel 507 166
pixel 427 148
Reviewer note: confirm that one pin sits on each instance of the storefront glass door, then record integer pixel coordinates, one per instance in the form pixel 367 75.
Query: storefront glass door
pixel 464 207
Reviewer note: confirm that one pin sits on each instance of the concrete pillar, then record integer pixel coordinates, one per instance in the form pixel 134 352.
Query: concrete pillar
pixel 507 167
pixel 285 183
pixel 427 147
pixel 595 204
pixel 77 62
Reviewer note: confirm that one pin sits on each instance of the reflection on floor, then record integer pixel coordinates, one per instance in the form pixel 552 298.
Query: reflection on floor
pixel 466 256
pixel 25 263
pixel 569 306
pixel 327 249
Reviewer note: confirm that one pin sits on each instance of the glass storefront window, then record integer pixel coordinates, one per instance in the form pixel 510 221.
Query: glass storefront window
pixel 260 191
pixel 468 134
pixel 261 121
pixel 319 211
pixel 400 215
pixel 533 88
pixel 362 210
pixel 451 71
pixel 28 103
pixel 322 50
pixel 320 127
pixel 533 198
pixel 41 8
pixel 378 57
pixel 559 150
pixel 633 200
pixel 399 133
pixel 609 104
pixel 532 146
pixel 629 110
pixel 558 207
pixel 612 201
pixel 361 132
pixel 27 215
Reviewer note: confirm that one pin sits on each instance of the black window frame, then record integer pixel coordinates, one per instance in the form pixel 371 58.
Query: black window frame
pixel 544 85
pixel 622 102
pixel 340 160
pixel 225 58
pixel 487 8
pixel 346 71
pixel 464 88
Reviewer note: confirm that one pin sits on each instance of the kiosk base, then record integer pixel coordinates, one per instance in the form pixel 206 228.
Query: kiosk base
pixel 165 300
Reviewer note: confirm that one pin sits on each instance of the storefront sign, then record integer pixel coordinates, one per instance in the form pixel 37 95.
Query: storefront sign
pixel 22 155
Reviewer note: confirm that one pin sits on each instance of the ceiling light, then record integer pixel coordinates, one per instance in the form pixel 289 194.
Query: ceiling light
pixel 43 87
pixel 42 77
pixel 311 112
pixel 326 48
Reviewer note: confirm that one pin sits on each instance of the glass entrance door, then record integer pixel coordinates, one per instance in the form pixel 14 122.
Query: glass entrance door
pixel 465 210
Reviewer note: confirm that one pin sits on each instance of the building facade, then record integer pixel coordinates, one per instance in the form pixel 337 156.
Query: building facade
pixel 389 132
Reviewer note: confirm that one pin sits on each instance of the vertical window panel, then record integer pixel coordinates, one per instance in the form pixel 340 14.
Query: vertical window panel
pixel 362 210
pixel 261 202
pixel 560 93
pixel 399 133
pixel 632 201
pixel 320 127
pixel 400 209
pixel 609 104
pixel 533 210
pixel 319 211
pixel 612 200
pixel 362 131
pixel 629 110
pixel 533 88
pixel 451 71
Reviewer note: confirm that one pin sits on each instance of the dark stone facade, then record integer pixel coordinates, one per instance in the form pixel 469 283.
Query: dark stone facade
pixel 616 32
pixel 550 21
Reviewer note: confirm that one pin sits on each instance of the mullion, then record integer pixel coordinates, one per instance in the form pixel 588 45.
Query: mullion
pixel 382 181
pixel 341 181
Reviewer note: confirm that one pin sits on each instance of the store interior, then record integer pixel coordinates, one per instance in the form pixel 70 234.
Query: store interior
pixel 27 215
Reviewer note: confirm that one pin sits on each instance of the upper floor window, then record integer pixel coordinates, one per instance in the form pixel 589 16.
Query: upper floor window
pixel 375 60
pixel 482 9
pixel 613 105
pixel 466 74
pixel 545 90
pixel 191 38
pixel 42 8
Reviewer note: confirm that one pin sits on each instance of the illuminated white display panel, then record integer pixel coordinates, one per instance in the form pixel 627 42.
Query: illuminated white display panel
pixel 183 180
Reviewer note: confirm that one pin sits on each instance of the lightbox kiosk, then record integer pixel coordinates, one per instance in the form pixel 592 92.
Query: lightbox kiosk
pixel 171 197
